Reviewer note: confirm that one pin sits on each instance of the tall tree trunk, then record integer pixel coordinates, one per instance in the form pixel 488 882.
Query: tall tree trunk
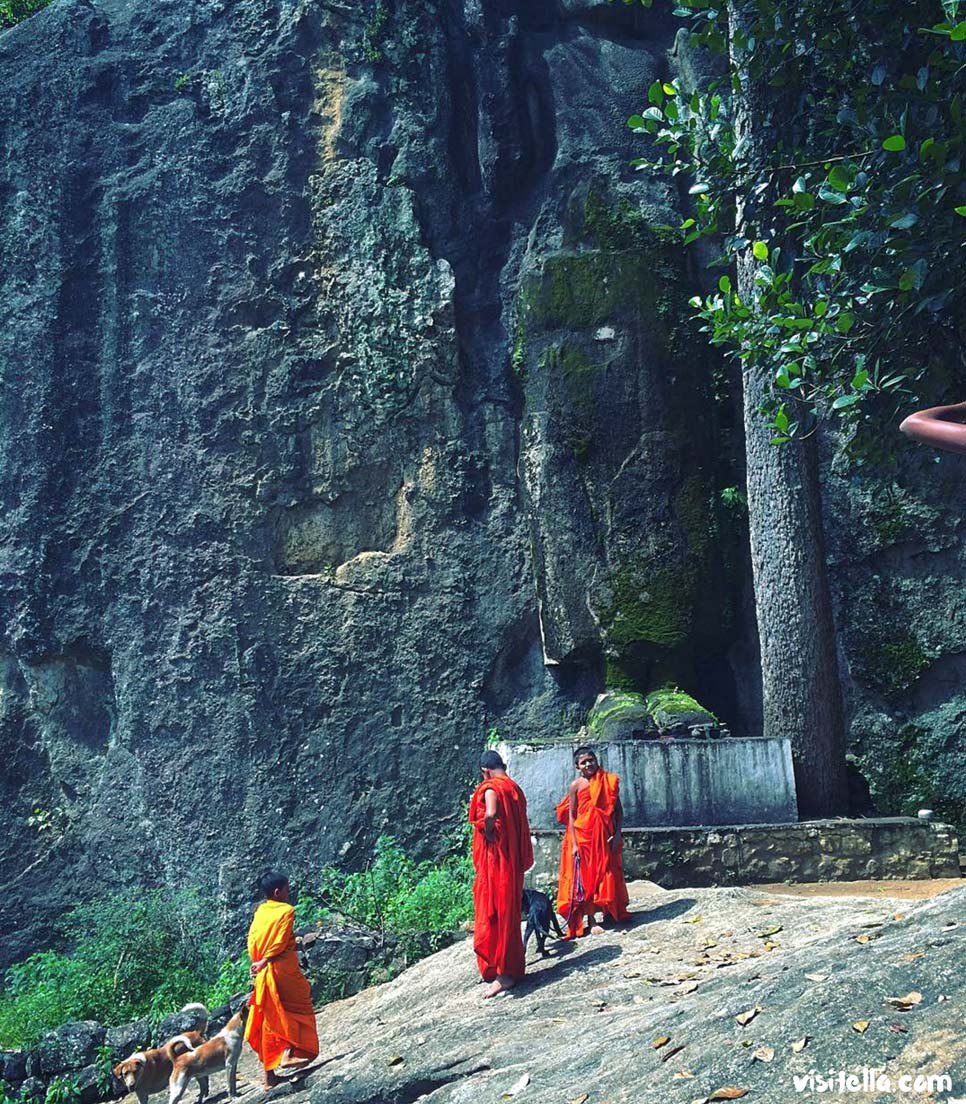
pixel 801 690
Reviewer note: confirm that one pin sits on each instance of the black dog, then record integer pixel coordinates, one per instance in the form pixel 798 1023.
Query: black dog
pixel 540 916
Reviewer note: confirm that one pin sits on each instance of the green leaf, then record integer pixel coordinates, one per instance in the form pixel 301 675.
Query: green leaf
pixel 760 250
pixel 860 379
pixel 961 211
pixel 840 179
pixel 800 185
pixel 845 322
pixel 844 401
pixel 655 95
pixel 781 419
pixel 696 301
pixel 724 285
pixel 700 188
pixel 669 89
pixel 636 122
pixel 958 33
pixel 904 222
pixel 894 144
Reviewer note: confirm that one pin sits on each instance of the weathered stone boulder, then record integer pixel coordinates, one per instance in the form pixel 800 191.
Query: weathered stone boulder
pixel 671 708
pixel 13 1066
pixel 178 1022
pixel 127 1038
pixel 620 715
pixel 69 1047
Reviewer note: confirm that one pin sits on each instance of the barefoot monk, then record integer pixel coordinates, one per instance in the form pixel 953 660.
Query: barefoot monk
pixel 502 852
pixel 281 1020
pixel 591 869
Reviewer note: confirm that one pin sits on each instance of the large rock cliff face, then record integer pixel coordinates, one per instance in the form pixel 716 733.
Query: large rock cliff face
pixel 349 412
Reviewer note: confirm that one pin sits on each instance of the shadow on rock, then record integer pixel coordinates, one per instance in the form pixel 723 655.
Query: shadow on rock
pixel 662 912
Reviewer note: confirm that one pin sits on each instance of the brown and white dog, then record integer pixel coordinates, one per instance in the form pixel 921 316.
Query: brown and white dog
pixel 221 1052
pixel 148 1071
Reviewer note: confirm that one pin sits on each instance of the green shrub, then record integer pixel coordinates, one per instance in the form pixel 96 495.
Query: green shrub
pixel 420 903
pixel 16 11
pixel 126 958
pixel 62 1090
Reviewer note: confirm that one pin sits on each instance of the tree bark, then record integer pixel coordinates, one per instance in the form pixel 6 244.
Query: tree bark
pixel 801 688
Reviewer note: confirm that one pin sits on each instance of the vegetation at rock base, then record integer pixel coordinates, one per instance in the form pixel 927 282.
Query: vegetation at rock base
pixel 420 903
pixel 128 956
pixel 16 11
pixel 149 954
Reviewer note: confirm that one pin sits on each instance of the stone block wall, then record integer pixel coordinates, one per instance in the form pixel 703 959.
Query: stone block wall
pixel 809 851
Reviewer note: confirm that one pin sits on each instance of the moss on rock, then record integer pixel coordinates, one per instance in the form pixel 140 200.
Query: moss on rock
pixel 652 605
pixel 670 706
pixel 619 715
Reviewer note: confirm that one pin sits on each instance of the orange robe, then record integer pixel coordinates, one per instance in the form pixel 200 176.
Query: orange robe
pixel 280 1014
pixel 600 887
pixel 498 886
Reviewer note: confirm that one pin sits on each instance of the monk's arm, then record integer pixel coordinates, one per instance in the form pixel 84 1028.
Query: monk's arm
pixel 615 839
pixel 941 426
pixel 489 815
pixel 571 816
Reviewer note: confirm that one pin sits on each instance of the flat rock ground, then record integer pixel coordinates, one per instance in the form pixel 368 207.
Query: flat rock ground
pixel 649 1012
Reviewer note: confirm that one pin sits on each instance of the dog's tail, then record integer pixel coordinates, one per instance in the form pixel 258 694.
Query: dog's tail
pixel 172 1045
pixel 202 1015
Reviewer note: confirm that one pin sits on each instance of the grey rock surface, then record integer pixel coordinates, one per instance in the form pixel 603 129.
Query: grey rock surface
pixel 69 1047
pixel 350 412
pixel 286 532
pixel 588 1017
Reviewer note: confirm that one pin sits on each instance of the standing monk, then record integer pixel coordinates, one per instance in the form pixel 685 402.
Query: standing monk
pixel 502 852
pixel 591 870
pixel 281 1020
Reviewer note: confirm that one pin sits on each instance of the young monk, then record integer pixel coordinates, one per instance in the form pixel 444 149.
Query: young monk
pixel 281 1020
pixel 591 869
pixel 502 852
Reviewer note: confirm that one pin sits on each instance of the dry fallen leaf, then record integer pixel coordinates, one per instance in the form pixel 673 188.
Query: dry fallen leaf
pixel 682 1075
pixel 709 943
pixel 670 1053
pixel 942 997
pixel 861 1025
pixel 421 1040
pixel 898 916
pixel 746 1017
pixel 518 1086
pixel 661 1040
pixel 580 1099
pixel 863 938
pixel 395 1060
pixel 692 920
pixel 800 1044
pixel 687 987
pixel 910 1000
pixel 773 930
pixel 913 955
pixel 817 977
pixel 730 1092
pixel 770 945
pixel 899 1029
pixel 633 974
pixel 949 927
pixel 763 1054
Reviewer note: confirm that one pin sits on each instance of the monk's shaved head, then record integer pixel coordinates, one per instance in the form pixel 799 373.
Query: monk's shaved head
pixel 270 881
pixel 584 750
pixel 490 760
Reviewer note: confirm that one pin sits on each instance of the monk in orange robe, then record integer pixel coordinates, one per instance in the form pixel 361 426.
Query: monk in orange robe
pixel 591 868
pixel 502 852
pixel 281 1021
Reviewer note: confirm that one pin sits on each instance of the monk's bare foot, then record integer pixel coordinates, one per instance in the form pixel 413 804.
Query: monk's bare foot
pixel 271 1080
pixel 596 930
pixel 499 985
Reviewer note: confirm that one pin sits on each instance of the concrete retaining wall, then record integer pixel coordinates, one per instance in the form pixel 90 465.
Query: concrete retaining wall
pixel 735 780
pixel 809 851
